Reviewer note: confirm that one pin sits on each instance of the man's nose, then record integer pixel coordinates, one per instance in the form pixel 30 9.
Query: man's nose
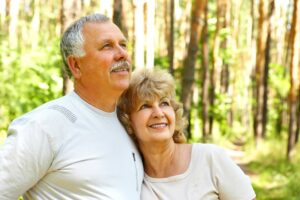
pixel 121 53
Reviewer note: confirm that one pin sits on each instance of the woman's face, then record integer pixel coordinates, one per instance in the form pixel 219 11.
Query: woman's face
pixel 153 121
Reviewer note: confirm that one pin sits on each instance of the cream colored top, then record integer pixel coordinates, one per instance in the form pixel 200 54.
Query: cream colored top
pixel 211 175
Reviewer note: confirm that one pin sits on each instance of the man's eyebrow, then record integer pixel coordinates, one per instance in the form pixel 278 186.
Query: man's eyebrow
pixel 124 40
pixel 110 41
pixel 104 41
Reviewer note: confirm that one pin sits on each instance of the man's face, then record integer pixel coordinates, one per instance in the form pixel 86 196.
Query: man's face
pixel 104 46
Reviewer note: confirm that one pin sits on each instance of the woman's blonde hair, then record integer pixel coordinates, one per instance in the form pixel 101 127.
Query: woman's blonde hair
pixel 148 84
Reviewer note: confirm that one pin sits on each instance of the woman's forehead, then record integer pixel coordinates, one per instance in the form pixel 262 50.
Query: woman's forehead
pixel 150 99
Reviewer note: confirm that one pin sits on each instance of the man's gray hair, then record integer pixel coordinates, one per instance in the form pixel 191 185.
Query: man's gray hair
pixel 72 40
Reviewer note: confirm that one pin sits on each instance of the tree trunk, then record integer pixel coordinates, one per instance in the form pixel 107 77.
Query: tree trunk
pixel 298 118
pixel 212 83
pixel 225 24
pixel 266 71
pixel 279 32
pixel 265 86
pixel 259 70
pixel 294 79
pixel 205 79
pixel 288 37
pixel 139 60
pixel 119 17
pixel 190 60
pixel 2 14
pixel 217 60
pixel 70 11
pixel 35 25
pixel 13 23
pixel 150 33
pixel 171 39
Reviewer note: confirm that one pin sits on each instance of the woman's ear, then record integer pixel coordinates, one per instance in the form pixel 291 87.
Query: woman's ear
pixel 74 67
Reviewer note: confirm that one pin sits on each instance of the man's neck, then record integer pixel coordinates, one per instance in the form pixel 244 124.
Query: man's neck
pixel 104 102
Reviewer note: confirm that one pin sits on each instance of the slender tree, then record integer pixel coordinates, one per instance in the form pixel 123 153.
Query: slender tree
pixel 259 70
pixel 70 10
pixel 139 60
pixel 190 59
pixel 224 18
pixel 280 33
pixel 150 33
pixel 35 24
pixel 298 119
pixel 171 39
pixel 205 77
pixel 119 16
pixel 217 62
pixel 2 13
pixel 294 78
pixel 266 70
pixel 13 23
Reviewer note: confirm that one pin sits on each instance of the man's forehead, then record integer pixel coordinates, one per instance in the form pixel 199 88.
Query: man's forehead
pixel 104 30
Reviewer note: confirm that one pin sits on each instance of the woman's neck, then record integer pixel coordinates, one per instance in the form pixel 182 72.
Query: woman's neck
pixel 166 160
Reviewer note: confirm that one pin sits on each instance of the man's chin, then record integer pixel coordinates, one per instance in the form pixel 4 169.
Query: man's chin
pixel 122 86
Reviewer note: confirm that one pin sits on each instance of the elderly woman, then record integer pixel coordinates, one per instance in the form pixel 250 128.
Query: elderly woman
pixel 173 169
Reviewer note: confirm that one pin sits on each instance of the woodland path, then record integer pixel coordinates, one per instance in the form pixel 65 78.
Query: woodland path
pixel 239 157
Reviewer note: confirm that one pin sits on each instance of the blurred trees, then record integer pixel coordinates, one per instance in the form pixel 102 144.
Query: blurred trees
pixel 69 10
pixel 261 66
pixel 188 75
pixel 236 63
pixel 293 98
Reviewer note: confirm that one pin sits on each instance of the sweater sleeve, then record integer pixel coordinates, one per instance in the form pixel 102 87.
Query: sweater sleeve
pixel 231 181
pixel 25 158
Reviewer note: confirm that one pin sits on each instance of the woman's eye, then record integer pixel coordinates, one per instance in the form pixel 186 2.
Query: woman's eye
pixel 144 106
pixel 165 103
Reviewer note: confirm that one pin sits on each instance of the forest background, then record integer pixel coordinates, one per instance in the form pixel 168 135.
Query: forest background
pixel 236 65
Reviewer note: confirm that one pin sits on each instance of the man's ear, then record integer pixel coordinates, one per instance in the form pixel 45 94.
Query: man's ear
pixel 74 67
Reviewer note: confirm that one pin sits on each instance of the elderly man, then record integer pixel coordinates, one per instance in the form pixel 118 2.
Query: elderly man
pixel 75 147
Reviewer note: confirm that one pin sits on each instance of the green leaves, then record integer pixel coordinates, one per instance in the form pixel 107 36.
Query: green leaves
pixel 27 78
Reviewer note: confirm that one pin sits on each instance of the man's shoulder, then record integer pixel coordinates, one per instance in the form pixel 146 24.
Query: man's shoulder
pixel 49 110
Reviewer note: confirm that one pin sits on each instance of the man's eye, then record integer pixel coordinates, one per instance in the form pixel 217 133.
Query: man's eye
pixel 105 46
pixel 124 45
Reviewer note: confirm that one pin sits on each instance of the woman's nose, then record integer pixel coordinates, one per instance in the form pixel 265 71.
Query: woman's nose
pixel 158 112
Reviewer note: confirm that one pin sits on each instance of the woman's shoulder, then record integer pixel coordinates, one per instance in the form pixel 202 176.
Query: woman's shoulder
pixel 207 148
pixel 208 152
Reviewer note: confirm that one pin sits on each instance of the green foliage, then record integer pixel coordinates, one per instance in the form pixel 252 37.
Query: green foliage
pixel 278 87
pixel 220 110
pixel 161 62
pixel 274 177
pixel 28 79
pixel 278 79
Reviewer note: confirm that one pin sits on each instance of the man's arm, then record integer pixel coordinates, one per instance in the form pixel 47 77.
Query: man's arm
pixel 24 159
